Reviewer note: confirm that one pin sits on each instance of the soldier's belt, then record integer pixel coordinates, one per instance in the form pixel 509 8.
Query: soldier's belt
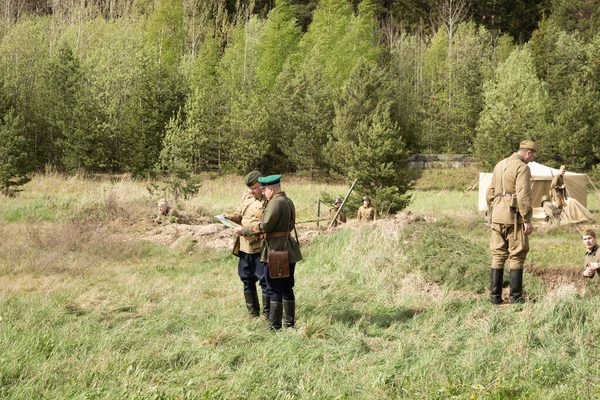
pixel 503 194
pixel 274 234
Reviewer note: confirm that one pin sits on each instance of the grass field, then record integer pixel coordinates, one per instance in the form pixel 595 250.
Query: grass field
pixel 392 310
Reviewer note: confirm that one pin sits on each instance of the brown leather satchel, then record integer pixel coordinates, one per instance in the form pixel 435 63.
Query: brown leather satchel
pixel 279 266
pixel 236 247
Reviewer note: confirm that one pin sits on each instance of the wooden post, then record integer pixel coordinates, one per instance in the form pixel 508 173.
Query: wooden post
pixel 318 211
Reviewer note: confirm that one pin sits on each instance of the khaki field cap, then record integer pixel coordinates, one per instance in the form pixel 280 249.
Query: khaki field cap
pixel 589 232
pixel 528 144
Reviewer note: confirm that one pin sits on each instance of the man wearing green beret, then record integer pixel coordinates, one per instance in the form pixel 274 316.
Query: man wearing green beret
pixel 250 269
pixel 275 227
pixel 509 195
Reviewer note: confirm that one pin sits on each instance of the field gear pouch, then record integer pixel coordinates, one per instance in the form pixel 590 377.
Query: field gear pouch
pixel 236 247
pixel 279 266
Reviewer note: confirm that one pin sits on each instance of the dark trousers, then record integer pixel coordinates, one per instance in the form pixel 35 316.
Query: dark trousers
pixel 251 270
pixel 281 288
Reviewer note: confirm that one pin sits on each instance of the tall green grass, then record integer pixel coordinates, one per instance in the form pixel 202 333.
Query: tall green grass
pixel 394 309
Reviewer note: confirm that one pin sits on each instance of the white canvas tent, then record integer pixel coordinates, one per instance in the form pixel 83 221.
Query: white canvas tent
pixel 541 177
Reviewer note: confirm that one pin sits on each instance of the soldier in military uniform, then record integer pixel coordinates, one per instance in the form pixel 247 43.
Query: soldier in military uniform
pixel 166 212
pixel 510 197
pixel 275 226
pixel 591 259
pixel 250 270
pixel 552 212
pixel 558 189
pixel 367 212
pixel 341 217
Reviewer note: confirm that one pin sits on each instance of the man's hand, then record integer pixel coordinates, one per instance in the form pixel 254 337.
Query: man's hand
pixel 589 272
pixel 528 228
pixel 238 231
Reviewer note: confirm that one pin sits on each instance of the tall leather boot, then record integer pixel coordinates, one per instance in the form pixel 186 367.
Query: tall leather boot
pixel 289 308
pixel 252 305
pixel 516 286
pixel 275 316
pixel 266 305
pixel 497 275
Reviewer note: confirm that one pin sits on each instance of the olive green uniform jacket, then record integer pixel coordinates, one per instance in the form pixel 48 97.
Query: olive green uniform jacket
pixel 341 218
pixel 248 214
pixel 591 256
pixel 366 213
pixel 279 215
pixel 512 177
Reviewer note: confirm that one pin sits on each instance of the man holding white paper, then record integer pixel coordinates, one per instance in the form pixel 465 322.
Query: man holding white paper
pixel 250 269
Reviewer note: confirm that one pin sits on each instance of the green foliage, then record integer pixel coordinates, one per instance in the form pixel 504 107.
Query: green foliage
pixel 515 106
pixel 366 144
pixel 15 165
pixel 303 115
pixel 577 15
pixel 165 33
pixel 279 40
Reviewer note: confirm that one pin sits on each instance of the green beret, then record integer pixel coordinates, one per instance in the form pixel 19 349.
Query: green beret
pixel 269 180
pixel 252 178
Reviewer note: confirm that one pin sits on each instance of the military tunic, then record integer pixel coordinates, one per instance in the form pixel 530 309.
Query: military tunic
pixel 591 256
pixel 279 216
pixel 557 191
pixel 511 178
pixel 248 214
pixel 250 269
pixel 341 218
pixel 366 213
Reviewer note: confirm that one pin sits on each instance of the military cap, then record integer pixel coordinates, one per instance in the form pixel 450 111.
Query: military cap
pixel 162 201
pixel 252 178
pixel 366 198
pixel 269 180
pixel 529 145
pixel 589 232
pixel 338 200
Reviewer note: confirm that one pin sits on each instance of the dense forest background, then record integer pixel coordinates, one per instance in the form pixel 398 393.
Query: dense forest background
pixel 323 87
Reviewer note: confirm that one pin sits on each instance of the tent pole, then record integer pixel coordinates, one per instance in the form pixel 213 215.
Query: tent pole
pixel 593 185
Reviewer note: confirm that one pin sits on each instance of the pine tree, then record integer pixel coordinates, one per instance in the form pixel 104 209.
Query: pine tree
pixel 366 144
pixel 15 165
pixel 515 107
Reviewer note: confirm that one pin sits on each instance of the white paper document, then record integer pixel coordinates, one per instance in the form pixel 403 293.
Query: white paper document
pixel 227 222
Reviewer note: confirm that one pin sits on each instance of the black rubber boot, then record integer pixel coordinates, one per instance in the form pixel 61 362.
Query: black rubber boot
pixel 275 316
pixel 289 307
pixel 516 286
pixel 252 305
pixel 266 305
pixel 497 275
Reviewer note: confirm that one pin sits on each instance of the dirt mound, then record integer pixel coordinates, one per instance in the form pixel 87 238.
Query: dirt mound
pixel 215 236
